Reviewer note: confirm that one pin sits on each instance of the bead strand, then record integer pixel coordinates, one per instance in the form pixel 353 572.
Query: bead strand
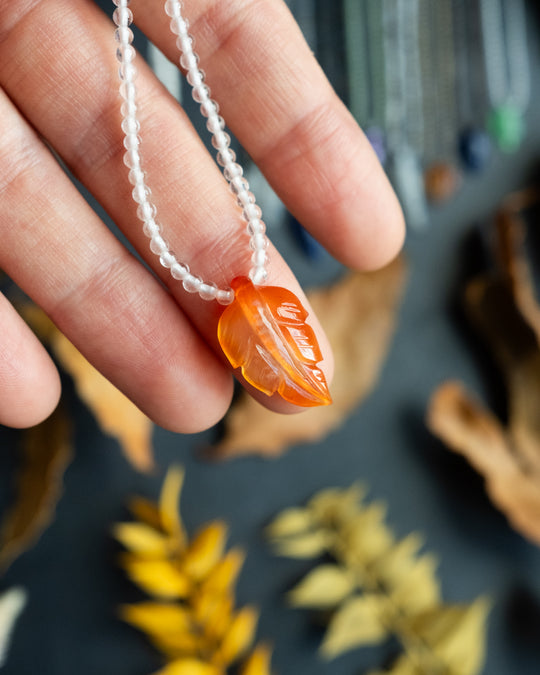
pixel 146 210
pixel 221 141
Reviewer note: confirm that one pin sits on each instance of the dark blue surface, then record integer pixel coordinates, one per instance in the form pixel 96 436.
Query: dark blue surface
pixel 69 625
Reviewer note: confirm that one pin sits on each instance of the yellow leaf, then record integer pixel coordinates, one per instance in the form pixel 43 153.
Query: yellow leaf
pixel 258 662
pixel 145 511
pixel 334 506
pixel 115 413
pixel 290 522
pixel 141 539
pixel 180 645
pixel 358 622
pixel 190 667
pixel 46 452
pixel 156 618
pixel 169 503
pixel 222 577
pixel 365 537
pixel 419 589
pixel 456 634
pixel 204 550
pixel 157 577
pixel 213 613
pixel 238 637
pixel 309 545
pixel 323 588
pixel 399 560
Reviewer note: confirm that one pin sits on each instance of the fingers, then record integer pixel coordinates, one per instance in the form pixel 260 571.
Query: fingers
pixel 279 104
pixel 29 382
pixel 71 97
pixel 116 313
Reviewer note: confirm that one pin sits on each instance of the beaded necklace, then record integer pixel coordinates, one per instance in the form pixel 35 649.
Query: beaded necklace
pixel 262 330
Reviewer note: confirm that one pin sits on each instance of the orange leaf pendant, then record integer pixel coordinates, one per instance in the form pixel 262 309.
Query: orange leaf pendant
pixel 264 332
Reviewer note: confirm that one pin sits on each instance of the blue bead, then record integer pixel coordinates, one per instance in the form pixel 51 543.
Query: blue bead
pixel 475 149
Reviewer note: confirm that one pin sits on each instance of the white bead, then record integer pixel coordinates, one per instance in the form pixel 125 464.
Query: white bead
pixel 186 42
pixel 179 271
pixel 146 211
pixel 132 158
pixel 256 226
pixel 258 242
pixel 245 198
pixel 200 91
pixel 136 176
pixel 127 72
pixel 131 125
pixel 173 8
pixel 208 291
pixel 123 35
pixel 209 107
pixel 221 140
pixel 232 171
pixel 128 90
pixel 259 258
pixel 258 275
pixel 252 212
pixel 225 296
pixel 140 193
pixel 132 141
pixel 124 2
pixel 189 60
pixel 192 284
pixel 122 16
pixel 226 157
pixel 167 259
pixel 128 108
pixel 151 228
pixel 215 124
pixel 158 245
pixel 239 185
pixel 125 52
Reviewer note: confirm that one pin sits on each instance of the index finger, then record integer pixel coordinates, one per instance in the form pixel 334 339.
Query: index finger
pixel 279 104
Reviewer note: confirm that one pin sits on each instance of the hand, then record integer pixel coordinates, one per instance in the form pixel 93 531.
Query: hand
pixel 152 340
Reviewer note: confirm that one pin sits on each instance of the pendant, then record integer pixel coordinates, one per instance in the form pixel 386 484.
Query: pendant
pixel 263 332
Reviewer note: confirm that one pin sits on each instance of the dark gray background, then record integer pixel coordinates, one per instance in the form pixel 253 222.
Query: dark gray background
pixel 69 625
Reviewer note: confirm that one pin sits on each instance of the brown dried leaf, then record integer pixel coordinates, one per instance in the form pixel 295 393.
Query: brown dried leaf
pixel 115 413
pixel 358 314
pixel 46 453
pixel 504 310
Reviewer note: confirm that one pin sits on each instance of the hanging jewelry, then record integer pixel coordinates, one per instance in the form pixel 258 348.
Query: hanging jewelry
pixel 508 75
pixel 263 331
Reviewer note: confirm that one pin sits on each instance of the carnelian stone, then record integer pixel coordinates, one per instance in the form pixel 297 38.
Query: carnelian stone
pixel 264 332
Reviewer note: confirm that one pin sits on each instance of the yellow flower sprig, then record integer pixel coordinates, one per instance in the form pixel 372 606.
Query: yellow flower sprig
pixel 375 586
pixel 191 617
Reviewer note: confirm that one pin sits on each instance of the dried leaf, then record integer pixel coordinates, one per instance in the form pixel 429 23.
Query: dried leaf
pixel 169 504
pixel 290 522
pixel 418 588
pixel 503 307
pixel 309 545
pixel 146 512
pixel 334 506
pixel 115 413
pixel 141 539
pixel 157 618
pixel 358 622
pixel 205 550
pixel 157 577
pixel 238 637
pixel 222 577
pixel 12 603
pixel 359 315
pixel 323 588
pixel 456 634
pixel 364 536
pixel 46 453
pixel 258 663
pixel 264 332
pixel 190 667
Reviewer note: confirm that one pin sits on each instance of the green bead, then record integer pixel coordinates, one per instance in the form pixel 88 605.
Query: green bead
pixel 507 126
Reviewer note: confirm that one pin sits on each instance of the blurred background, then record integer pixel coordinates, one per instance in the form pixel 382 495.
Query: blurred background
pixel 449 96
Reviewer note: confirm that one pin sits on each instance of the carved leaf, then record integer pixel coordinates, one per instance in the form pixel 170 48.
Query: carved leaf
pixel 264 333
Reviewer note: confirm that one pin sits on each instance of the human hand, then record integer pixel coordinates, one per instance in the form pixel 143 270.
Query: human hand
pixel 149 337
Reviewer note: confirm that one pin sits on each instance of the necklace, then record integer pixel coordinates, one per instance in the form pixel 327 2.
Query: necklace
pixel 263 330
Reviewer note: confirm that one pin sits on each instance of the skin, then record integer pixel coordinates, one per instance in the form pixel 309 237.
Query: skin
pixel 155 342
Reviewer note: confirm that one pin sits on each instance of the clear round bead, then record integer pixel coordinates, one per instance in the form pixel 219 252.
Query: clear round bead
pixel 126 2
pixel 189 60
pixel 221 140
pixel 245 198
pixel 226 157
pixel 179 271
pixel 125 53
pixel 128 108
pixel 123 35
pixel 215 124
pixel 192 283
pixel 158 245
pixel 252 212
pixel 131 125
pixel 128 90
pixel 127 72
pixel 225 296
pixel 132 141
pixel 140 193
pixel 167 259
pixel 256 226
pixel 151 228
pixel 208 291
pixel 259 258
pixel 122 17
pixel 232 171
pixel 173 8
pixel 132 158
pixel 258 275
pixel 200 91
pixel 136 176
pixel 146 211
pixel 258 242
pixel 209 107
